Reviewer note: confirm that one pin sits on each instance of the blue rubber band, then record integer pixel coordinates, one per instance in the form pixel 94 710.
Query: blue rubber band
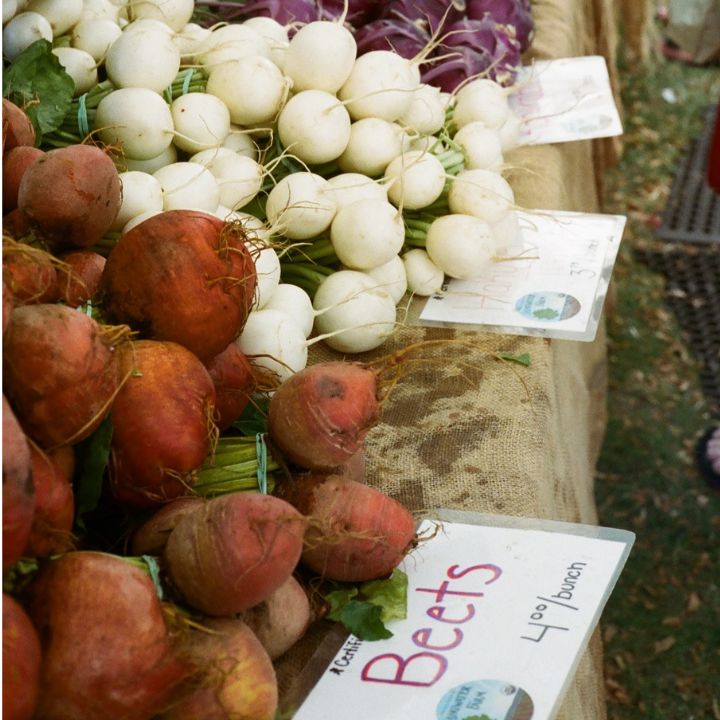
pixel 82 117
pixel 154 570
pixel 186 81
pixel 261 449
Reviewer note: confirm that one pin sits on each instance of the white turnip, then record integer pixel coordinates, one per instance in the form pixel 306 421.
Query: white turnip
pixel 135 120
pixel 367 233
pixel 144 56
pixel 252 88
pixel 354 313
pixel 482 193
pixel 201 121
pixel 141 192
pixel 373 144
pixel 300 206
pixel 314 127
pixel 462 246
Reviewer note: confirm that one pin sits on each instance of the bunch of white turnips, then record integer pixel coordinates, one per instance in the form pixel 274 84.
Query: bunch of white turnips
pixel 384 134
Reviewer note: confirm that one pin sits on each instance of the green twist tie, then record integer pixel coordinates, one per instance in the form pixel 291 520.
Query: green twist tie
pixel 82 118
pixel 154 570
pixel 187 80
pixel 261 450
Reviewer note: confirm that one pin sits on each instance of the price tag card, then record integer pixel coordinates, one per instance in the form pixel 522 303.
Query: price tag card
pixel 550 281
pixel 500 610
pixel 564 100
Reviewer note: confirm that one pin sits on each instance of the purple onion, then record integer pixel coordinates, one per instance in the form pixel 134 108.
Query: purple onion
pixel 449 73
pixel 359 11
pixel 427 13
pixel 473 47
pixel 517 13
pixel 405 39
pixel 283 11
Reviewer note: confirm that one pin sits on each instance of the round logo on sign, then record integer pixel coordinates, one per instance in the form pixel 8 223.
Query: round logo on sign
pixel 485 700
pixel 548 306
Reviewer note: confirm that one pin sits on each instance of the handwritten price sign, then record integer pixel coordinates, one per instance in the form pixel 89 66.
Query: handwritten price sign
pixel 499 612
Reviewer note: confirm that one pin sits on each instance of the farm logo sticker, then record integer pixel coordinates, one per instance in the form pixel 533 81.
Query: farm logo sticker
pixel 549 306
pixel 485 700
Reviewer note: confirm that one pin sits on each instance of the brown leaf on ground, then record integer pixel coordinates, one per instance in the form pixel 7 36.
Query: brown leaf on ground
pixel 609 632
pixel 663 645
pixel 616 692
pixel 694 602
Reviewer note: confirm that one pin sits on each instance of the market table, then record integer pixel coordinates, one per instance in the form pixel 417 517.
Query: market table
pixel 463 429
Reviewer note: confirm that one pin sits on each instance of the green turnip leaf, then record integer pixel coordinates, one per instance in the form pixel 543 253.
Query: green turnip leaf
pixel 254 418
pixel 38 83
pixel 389 595
pixel 364 620
pixel 523 359
pixel 92 459
pixel 378 602
pixel 338 599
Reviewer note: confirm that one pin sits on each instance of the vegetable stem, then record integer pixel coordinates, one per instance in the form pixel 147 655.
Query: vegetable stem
pixel 451 158
pixel 455 169
pixel 72 129
pixel 416 238
pixel 321 251
pixel 233 467
pixel 316 273
pixel 420 225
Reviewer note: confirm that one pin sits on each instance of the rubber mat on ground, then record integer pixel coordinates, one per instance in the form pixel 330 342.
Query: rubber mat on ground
pixel 692 212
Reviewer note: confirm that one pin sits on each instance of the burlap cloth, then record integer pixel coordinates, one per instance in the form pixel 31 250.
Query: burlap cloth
pixel 465 430
pixel 637 29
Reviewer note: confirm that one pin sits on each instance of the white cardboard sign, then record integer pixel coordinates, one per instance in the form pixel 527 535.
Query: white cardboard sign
pixel 551 280
pixel 499 614
pixel 564 100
